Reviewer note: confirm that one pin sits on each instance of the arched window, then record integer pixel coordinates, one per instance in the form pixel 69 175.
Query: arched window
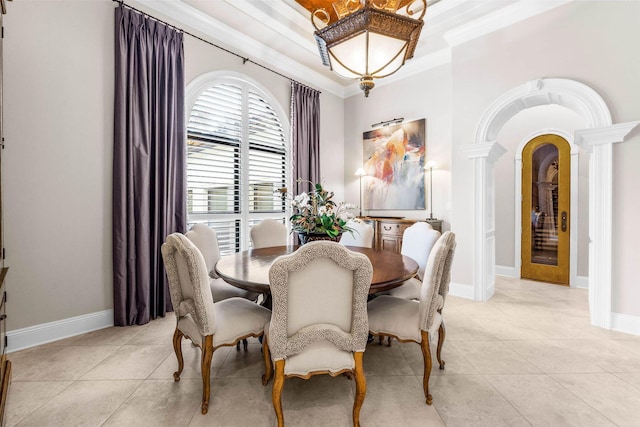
pixel 237 157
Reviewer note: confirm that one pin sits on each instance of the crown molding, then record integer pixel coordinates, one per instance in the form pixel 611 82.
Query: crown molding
pixel 220 32
pixel 500 19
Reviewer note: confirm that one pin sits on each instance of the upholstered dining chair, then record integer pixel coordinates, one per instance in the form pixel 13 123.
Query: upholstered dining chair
pixel 207 324
pixel 268 232
pixel 417 242
pixel 418 321
pixel 319 320
pixel 206 240
pixel 362 235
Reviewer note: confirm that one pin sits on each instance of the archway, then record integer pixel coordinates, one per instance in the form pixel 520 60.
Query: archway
pixel 598 137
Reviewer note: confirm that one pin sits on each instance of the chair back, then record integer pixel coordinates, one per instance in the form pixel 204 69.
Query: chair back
pixel 268 232
pixel 188 282
pixel 206 240
pixel 319 293
pixel 438 266
pixel 362 234
pixel 417 242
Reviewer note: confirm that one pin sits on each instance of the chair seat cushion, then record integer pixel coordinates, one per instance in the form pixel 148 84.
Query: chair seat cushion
pixel 319 356
pixel 410 289
pixel 398 317
pixel 237 317
pixel 221 290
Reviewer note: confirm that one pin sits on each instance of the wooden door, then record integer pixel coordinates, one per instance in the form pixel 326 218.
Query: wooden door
pixel 546 195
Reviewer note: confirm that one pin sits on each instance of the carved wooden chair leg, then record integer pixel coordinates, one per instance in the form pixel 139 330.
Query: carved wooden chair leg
pixel 177 347
pixel 361 388
pixel 276 394
pixel 245 344
pixel 388 341
pixel 207 354
pixel 268 367
pixel 426 354
pixel 380 339
pixel 442 333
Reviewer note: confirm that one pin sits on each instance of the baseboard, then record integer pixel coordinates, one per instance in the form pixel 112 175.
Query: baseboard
pixel 582 282
pixel 31 336
pixel 625 323
pixel 501 270
pixel 461 290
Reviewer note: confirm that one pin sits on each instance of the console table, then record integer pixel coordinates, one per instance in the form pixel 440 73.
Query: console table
pixel 388 231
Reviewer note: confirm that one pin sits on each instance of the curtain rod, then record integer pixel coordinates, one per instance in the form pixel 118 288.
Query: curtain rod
pixel 244 59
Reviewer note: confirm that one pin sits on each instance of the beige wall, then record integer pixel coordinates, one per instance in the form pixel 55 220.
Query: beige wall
pixel 428 96
pixel 57 178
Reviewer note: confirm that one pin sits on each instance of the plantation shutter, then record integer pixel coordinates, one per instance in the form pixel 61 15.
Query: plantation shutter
pixel 232 127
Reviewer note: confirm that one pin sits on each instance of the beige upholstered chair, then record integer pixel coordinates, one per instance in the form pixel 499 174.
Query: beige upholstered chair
pixel 206 240
pixel 319 320
pixel 417 242
pixel 207 324
pixel 268 232
pixel 362 235
pixel 418 321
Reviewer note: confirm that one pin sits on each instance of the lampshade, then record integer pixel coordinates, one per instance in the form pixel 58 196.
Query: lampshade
pixel 372 42
pixel 360 172
pixel 431 164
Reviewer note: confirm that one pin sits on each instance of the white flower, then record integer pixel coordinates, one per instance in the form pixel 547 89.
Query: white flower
pixel 322 210
pixel 300 200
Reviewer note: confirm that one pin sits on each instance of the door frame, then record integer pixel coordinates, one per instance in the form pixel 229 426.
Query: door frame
pixel 573 203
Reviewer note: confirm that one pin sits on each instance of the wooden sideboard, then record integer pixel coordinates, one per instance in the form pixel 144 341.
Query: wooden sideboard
pixel 388 231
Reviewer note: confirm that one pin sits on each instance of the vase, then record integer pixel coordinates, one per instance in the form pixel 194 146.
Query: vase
pixel 310 237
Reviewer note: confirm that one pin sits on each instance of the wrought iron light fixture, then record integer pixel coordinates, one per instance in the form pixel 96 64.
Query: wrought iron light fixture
pixel 371 39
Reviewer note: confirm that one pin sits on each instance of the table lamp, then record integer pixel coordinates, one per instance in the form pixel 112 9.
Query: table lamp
pixel 431 165
pixel 360 173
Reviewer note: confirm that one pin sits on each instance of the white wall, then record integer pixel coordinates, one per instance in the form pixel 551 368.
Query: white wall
pixel 426 95
pixel 57 176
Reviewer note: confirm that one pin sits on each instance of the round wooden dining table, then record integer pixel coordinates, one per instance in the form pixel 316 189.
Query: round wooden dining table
pixel 250 269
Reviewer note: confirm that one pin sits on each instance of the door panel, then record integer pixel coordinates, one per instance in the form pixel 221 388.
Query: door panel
pixel 546 192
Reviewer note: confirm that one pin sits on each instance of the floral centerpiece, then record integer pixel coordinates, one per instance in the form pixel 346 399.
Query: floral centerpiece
pixel 316 216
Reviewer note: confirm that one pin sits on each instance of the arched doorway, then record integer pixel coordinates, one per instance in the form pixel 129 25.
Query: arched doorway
pixel 598 137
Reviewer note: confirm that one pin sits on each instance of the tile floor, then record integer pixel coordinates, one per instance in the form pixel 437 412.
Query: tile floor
pixel 527 357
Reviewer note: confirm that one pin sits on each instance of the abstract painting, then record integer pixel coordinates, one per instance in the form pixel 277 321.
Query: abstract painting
pixel 394 163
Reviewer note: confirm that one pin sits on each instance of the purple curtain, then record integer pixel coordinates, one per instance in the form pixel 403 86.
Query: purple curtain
pixel 148 162
pixel 305 135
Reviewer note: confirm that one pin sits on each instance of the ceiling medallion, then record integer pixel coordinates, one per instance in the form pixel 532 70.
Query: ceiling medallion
pixel 371 39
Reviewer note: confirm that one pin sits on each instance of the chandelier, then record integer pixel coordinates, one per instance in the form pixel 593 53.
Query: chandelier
pixel 371 38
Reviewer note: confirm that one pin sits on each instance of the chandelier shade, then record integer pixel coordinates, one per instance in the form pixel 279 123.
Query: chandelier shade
pixel 369 43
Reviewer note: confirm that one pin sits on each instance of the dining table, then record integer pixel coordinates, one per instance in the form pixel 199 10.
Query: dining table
pixel 250 269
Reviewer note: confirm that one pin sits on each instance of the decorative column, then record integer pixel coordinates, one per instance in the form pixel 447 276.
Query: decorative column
pixel 599 142
pixel 484 157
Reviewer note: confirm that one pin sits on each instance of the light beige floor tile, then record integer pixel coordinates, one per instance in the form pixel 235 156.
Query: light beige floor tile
pixel 237 402
pixel 63 363
pixel 83 403
pixel 157 332
pixel 383 360
pixel 116 335
pixel 494 357
pixel 544 402
pixel 455 362
pixel 130 362
pixel 246 364
pixel 191 356
pixel 553 357
pixel 509 329
pixel 608 394
pixel 469 400
pixel 632 378
pixel 159 404
pixel 397 401
pixel 25 397
pixel 319 401
pixel 610 356
pixel 461 328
